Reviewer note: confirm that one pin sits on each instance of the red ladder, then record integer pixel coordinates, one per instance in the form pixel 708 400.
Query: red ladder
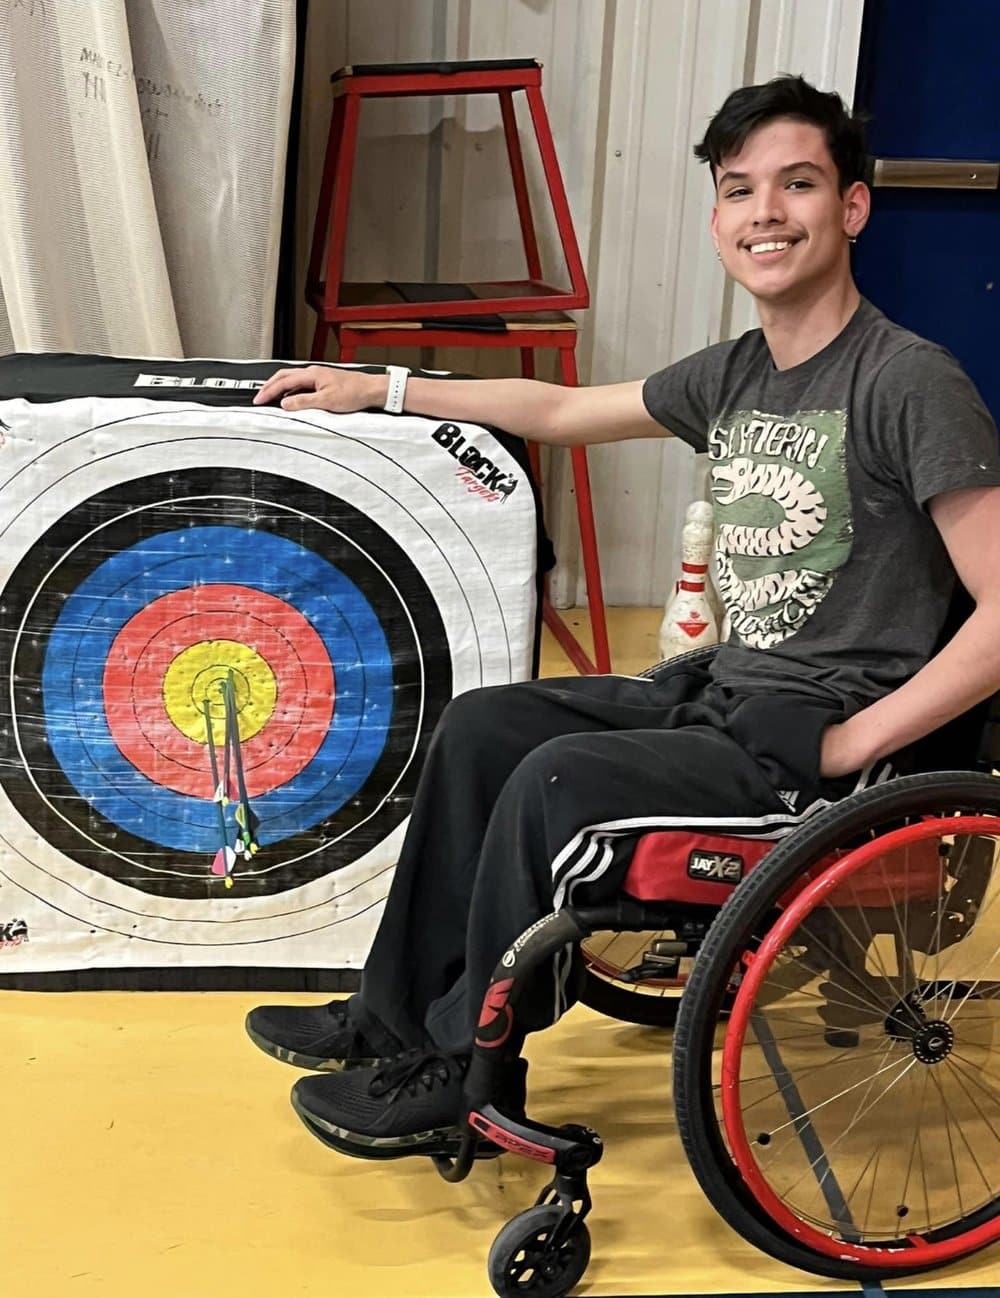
pixel 526 314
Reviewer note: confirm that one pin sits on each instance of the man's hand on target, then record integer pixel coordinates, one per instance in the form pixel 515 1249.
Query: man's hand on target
pixel 324 387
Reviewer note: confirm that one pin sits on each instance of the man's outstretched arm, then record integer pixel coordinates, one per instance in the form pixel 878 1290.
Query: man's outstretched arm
pixel 543 412
pixel 967 669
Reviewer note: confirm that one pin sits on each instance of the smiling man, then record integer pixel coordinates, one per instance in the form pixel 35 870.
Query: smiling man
pixel 855 473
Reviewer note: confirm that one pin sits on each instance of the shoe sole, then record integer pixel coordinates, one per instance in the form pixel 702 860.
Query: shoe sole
pixel 313 1063
pixel 441 1142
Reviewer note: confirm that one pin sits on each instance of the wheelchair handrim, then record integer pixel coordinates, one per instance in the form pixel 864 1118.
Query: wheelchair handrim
pixel 907 1252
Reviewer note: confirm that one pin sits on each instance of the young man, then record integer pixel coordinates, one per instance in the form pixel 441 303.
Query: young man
pixel 855 472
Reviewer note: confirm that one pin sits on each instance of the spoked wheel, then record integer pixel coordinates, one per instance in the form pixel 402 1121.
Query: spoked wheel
pixel 522 1262
pixel 850 1123
pixel 628 976
pixel 623 978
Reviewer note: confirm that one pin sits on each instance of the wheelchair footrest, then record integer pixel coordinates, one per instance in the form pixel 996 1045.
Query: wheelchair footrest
pixel 569 1148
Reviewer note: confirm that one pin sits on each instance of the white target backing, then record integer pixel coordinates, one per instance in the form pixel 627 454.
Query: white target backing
pixel 335 578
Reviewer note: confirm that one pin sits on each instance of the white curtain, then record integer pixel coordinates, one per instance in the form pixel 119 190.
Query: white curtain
pixel 142 158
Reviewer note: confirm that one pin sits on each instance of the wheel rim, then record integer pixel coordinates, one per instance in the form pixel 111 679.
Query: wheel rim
pixel 529 1269
pixel 861 1067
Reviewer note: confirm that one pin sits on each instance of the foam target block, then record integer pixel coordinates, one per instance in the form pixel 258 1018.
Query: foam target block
pixel 228 634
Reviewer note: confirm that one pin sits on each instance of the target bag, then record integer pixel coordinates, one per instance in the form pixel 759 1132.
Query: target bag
pixel 228 633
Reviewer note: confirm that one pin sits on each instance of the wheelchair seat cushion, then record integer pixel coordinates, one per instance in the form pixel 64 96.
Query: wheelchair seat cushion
pixel 691 867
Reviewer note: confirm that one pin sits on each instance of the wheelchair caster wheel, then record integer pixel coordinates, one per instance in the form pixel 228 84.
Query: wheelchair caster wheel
pixel 520 1261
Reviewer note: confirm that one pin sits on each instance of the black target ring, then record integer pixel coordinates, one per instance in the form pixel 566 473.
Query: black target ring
pixel 250 500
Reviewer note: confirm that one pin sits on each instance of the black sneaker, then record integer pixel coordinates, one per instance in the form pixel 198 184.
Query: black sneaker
pixel 412 1104
pixel 310 1036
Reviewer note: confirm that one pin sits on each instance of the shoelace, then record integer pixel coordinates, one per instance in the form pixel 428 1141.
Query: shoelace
pixel 411 1070
pixel 359 1047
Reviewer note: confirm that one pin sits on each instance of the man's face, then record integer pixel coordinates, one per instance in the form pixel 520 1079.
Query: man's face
pixel 779 222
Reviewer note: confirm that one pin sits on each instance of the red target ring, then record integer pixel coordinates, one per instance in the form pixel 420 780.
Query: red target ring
pixel 138 709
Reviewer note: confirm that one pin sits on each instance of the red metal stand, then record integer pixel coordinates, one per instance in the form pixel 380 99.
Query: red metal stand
pixel 526 314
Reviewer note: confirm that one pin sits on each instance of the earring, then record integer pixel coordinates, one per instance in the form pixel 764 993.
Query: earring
pixel 718 254
pixel 852 238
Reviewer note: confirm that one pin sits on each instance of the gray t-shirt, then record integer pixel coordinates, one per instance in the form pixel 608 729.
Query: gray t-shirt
pixel 835 578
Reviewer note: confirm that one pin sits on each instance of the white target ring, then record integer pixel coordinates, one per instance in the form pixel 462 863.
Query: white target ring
pixel 450 535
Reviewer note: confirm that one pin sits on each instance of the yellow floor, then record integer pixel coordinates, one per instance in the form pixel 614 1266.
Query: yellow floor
pixel 149 1151
pixel 632 634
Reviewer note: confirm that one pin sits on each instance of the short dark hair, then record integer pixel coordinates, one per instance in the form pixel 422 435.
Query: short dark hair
pixel 752 106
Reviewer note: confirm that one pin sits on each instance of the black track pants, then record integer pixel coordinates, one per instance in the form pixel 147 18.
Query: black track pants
pixel 533 795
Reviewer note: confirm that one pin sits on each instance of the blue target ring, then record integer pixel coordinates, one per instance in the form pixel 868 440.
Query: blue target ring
pixel 127 582
pixel 107 599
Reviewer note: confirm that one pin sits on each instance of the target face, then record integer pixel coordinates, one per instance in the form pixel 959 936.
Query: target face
pixel 208 644
pixel 118 656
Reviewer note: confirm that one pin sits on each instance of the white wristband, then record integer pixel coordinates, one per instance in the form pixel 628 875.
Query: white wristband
pixel 398 374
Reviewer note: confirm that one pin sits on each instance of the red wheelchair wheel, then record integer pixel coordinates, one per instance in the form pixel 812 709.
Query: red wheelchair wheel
pixel 851 1123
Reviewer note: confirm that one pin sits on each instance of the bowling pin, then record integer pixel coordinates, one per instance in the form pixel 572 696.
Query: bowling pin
pixel 700 511
pixel 689 620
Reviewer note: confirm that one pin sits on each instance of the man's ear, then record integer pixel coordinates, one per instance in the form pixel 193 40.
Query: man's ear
pixel 857 208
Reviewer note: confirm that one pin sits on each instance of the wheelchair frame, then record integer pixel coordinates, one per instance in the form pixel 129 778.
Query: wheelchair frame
pixel 549 1243
pixel 551 1238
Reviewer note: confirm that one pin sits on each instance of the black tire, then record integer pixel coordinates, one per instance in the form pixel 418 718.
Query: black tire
pixel 513 1263
pixel 746 916
pixel 629 1003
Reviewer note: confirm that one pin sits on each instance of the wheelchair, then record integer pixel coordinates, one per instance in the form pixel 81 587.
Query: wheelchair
pixel 836 1057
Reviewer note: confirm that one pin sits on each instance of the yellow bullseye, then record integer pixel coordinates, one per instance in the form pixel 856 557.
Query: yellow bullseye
pixel 197 676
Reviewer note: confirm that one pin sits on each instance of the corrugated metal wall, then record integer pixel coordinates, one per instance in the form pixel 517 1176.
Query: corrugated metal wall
pixel 629 86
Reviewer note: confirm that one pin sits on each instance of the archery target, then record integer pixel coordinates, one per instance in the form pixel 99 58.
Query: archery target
pixel 325 575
